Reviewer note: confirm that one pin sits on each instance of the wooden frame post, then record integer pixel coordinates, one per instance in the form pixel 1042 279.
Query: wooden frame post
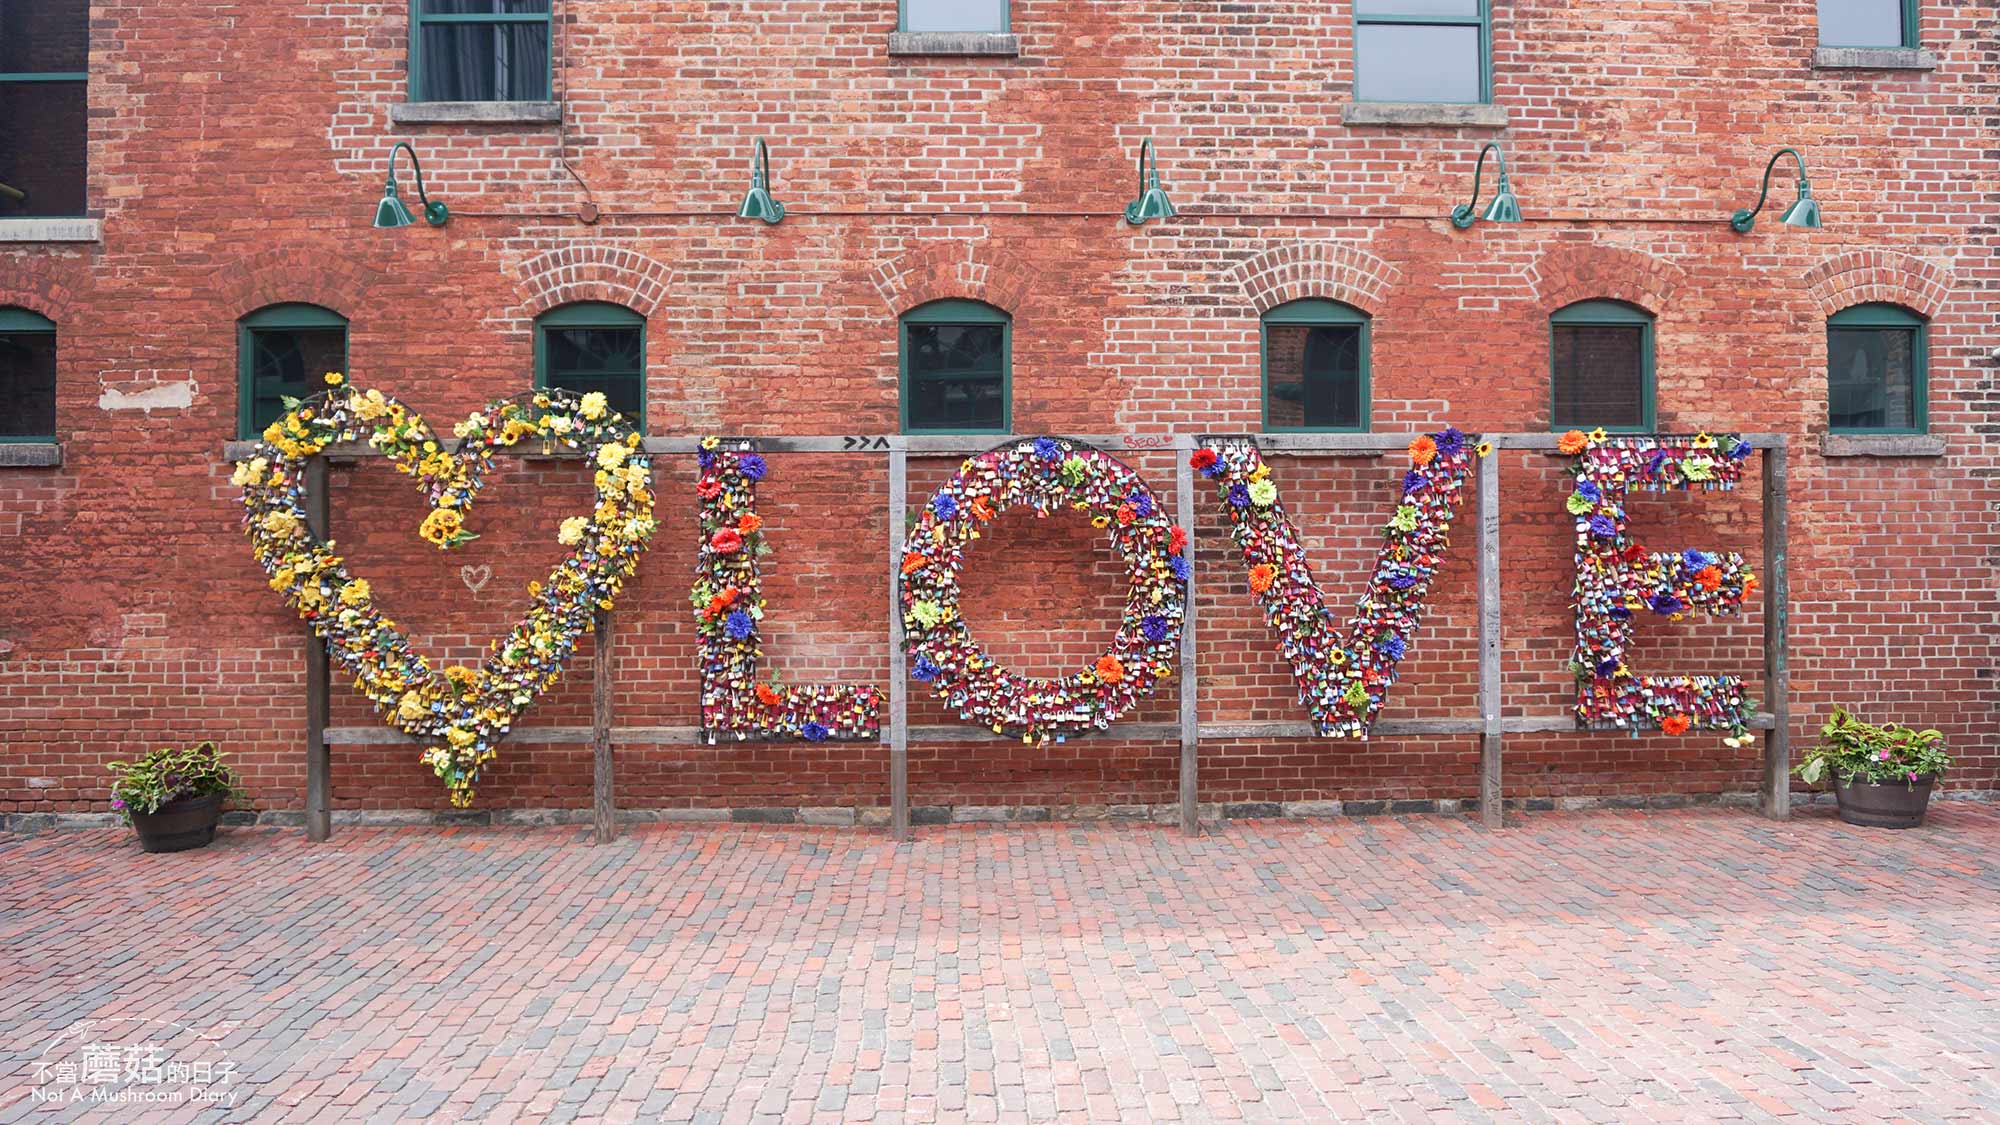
pixel 1777 627
pixel 1190 718
pixel 1491 810
pixel 899 703
pixel 603 803
pixel 319 678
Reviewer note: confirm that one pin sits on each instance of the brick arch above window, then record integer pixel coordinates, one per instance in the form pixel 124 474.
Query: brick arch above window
pixel 1321 268
pixel 42 286
pixel 1860 277
pixel 1585 272
pixel 953 270
pixel 293 277
pixel 613 275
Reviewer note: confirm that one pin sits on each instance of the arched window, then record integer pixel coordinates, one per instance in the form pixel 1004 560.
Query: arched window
pixel 282 351
pixel 956 368
pixel 595 346
pixel 1876 378
pixel 27 376
pixel 1315 367
pixel 1601 367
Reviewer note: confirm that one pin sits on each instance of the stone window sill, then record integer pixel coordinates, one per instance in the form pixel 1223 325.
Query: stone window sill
pixel 1881 445
pixel 475 113
pixel 1873 58
pixel 1427 114
pixel 999 44
pixel 51 230
pixel 30 454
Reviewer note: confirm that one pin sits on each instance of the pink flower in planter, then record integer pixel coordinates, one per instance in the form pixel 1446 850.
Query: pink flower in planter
pixel 1881 755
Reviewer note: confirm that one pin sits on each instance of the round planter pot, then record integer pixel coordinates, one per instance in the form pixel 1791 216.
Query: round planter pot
pixel 1897 804
pixel 180 825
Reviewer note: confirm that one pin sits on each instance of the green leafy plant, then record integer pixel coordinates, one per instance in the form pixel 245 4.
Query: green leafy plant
pixel 171 773
pixel 1857 751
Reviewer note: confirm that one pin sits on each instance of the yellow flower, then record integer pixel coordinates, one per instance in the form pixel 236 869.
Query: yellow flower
pixel 593 405
pixel 611 454
pixel 335 378
pixel 1598 436
pixel 411 707
pixel 1260 472
pixel 441 526
pixel 355 592
pixel 572 531
pixel 1484 449
pixel 284 525
pixel 1703 441
pixel 459 738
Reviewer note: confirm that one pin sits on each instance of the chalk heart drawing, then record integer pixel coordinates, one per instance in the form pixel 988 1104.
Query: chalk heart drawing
pixel 475 577
pixel 459 713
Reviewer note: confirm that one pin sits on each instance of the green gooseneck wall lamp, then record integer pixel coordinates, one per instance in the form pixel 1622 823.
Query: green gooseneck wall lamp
pixel 1804 211
pixel 757 202
pixel 391 212
pixel 1152 202
pixel 1504 208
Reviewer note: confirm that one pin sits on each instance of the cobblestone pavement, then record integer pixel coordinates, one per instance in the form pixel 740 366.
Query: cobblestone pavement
pixel 1619 967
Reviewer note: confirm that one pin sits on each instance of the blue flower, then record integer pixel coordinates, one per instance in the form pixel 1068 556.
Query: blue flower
pixel 813 732
pixel 1154 627
pixel 1214 469
pixel 1142 502
pixel 1604 527
pixel 1695 560
pixel 1451 441
pixel 1656 459
pixel 1239 495
pixel 925 670
pixel 945 505
pixel 1739 449
pixel 752 466
pixel 1391 646
pixel 1606 668
pixel 705 458
pixel 1667 603
pixel 1403 580
pixel 1180 567
pixel 739 625
pixel 1414 482
pixel 1620 613
pixel 1047 449
pixel 1589 491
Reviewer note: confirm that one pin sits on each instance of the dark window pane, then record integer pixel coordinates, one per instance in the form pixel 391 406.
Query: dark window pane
pixel 1871 379
pixel 955 15
pixel 1314 374
pixel 1861 23
pixel 485 7
pixel 43 130
pixel 1416 63
pixel 1466 9
pixel 41 36
pixel 486 62
pixel 611 360
pixel 27 384
pixel 1600 375
pixel 290 361
pixel 957 376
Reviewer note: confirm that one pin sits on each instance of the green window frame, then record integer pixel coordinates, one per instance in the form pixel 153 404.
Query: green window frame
pixel 273 320
pixel 16 321
pixel 1314 312
pixel 595 315
pixel 1481 21
pixel 18 200
pixel 1886 318
pixel 1601 314
pixel 420 21
pixel 956 313
pixel 1909 12
pixel 1006 20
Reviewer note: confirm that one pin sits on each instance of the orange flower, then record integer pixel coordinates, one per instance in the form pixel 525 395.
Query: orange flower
pixel 1109 669
pixel 1126 514
pixel 1674 724
pixel 913 562
pixel 750 522
pixel 1423 450
pixel 769 696
pixel 1572 442
pixel 1261 577
pixel 982 509
pixel 1709 577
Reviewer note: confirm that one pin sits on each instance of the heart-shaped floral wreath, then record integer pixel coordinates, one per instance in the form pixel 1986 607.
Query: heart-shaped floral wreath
pixel 460 713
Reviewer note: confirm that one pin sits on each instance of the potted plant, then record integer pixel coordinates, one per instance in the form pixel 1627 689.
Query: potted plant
pixel 173 797
pixel 1882 776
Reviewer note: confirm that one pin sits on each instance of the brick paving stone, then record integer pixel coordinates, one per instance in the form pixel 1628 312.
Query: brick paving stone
pixel 1686 965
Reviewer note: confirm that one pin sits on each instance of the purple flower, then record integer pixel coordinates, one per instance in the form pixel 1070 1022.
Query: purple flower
pixel 1655 460
pixel 1667 603
pixel 1047 449
pixel 945 505
pixel 1413 482
pixel 1589 491
pixel 1695 560
pixel 117 802
pixel 1620 613
pixel 1214 469
pixel 1450 442
pixel 1391 646
pixel 1239 495
pixel 1180 567
pixel 705 458
pixel 813 732
pixel 1604 527
pixel 1607 668
pixel 739 625
pixel 1154 627
pixel 752 466
pixel 1739 449
pixel 1403 580
pixel 925 670
pixel 1142 503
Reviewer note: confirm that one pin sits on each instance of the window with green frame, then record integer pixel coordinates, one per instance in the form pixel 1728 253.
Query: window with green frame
pixel 27 376
pixel 284 351
pixel 1876 377
pixel 957 359
pixel 951 15
pixel 595 346
pixel 1423 51
pixel 480 50
pixel 1315 360
pixel 1868 23
pixel 1601 367
pixel 44 108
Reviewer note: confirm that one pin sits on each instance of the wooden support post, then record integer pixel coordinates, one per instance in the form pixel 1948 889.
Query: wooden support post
pixel 1777 677
pixel 319 680
pixel 604 811
pixel 1190 719
pixel 899 704
pixel 1491 812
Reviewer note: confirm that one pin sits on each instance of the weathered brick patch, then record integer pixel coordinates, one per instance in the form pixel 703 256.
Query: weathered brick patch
pixel 1608 966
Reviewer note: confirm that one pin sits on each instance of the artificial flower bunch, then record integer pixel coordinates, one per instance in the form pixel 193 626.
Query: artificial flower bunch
pixel 729 612
pixel 1047 474
pixel 460 713
pixel 1342 683
pixel 1617 579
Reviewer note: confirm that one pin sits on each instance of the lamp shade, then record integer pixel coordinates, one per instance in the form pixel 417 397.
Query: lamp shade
pixel 1151 204
pixel 1504 208
pixel 391 212
pixel 758 204
pixel 1803 213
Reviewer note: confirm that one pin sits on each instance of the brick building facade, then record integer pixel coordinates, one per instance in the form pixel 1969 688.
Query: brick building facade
pixel 235 153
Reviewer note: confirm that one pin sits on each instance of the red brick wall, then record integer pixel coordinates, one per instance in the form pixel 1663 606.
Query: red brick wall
pixel 237 163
